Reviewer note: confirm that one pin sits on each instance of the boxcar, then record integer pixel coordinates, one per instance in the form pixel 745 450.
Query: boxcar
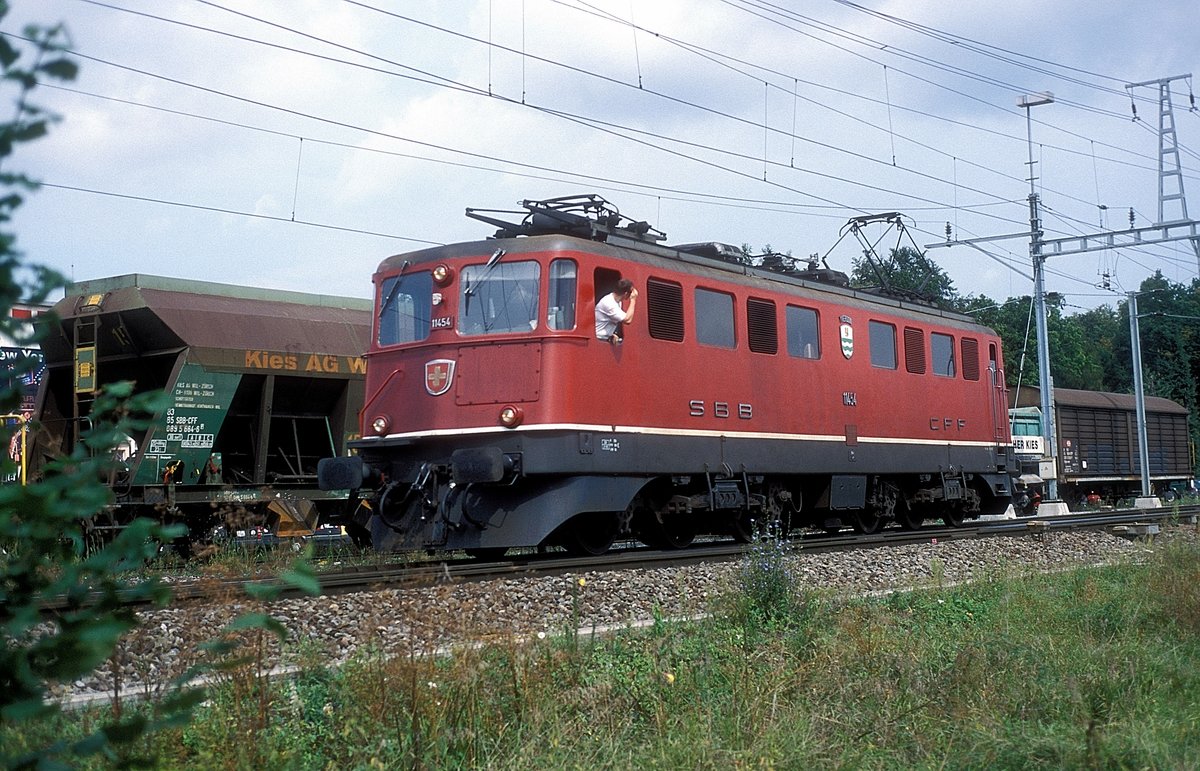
pixel 1097 443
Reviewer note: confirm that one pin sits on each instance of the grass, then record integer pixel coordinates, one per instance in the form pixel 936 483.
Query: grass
pixel 1091 668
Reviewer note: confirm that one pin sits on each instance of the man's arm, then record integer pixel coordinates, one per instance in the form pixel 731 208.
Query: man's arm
pixel 633 295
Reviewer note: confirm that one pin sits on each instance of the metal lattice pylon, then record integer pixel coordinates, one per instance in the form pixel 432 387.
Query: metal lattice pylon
pixel 1170 171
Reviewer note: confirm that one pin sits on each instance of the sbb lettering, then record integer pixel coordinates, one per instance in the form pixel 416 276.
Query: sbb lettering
pixel 947 424
pixel 698 408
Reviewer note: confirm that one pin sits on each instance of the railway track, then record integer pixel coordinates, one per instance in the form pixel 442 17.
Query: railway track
pixel 1129 522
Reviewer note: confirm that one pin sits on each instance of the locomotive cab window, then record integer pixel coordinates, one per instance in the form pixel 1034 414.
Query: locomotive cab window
pixel 883 344
pixel 563 279
pixel 714 318
pixel 941 347
pixel 803 338
pixel 405 308
pixel 499 297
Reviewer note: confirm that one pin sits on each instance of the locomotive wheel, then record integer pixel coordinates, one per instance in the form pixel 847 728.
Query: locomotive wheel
pixel 907 517
pixel 742 527
pixel 591 534
pixel 952 517
pixel 867 522
pixel 673 531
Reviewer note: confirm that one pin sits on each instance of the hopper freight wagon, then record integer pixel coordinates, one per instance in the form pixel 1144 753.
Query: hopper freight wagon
pixel 260 383
pixel 1098 453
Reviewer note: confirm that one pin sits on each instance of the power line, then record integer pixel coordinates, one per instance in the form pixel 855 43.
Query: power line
pixel 222 210
pixel 446 82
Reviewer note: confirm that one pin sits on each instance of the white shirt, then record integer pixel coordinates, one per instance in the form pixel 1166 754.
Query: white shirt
pixel 608 315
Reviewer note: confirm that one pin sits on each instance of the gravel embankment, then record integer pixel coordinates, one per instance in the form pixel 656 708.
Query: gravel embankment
pixel 399 620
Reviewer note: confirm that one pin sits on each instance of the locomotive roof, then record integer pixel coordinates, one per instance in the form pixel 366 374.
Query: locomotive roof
pixel 620 248
pixel 160 313
pixel 1030 396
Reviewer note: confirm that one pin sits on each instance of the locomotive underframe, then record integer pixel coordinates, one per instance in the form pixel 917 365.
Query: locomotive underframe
pixel 518 488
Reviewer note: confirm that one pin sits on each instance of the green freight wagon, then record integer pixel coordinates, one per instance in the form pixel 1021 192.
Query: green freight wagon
pixel 261 383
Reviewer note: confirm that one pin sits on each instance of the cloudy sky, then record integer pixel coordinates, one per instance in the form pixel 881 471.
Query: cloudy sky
pixel 294 144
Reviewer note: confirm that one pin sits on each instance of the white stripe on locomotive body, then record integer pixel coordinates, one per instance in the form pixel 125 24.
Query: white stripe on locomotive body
pixel 544 427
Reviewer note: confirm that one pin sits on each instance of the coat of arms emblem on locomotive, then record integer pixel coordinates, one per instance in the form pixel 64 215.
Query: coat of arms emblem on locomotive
pixel 439 375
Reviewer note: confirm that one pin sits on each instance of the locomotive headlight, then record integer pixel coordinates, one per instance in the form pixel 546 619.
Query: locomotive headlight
pixel 510 416
pixel 442 274
pixel 381 424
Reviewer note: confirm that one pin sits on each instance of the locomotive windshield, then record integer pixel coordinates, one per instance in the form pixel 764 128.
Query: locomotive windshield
pixel 405 308
pixel 499 297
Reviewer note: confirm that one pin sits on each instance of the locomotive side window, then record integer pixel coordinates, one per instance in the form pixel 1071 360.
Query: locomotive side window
pixel 714 318
pixel 499 297
pixel 762 331
pixel 803 338
pixel 970 358
pixel 914 350
pixel 883 344
pixel 405 308
pixel 941 347
pixel 664 309
pixel 563 280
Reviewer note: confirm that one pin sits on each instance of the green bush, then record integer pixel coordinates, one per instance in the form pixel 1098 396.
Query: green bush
pixel 45 555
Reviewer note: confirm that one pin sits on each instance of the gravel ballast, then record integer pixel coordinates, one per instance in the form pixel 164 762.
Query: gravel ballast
pixel 401 620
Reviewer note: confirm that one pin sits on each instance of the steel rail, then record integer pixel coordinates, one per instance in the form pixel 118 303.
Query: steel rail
pixel 427 573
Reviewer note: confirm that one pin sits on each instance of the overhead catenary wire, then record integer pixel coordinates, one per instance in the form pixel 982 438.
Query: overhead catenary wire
pixel 437 79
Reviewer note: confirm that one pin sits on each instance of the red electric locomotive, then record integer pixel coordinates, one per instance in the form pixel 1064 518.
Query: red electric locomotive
pixel 739 396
